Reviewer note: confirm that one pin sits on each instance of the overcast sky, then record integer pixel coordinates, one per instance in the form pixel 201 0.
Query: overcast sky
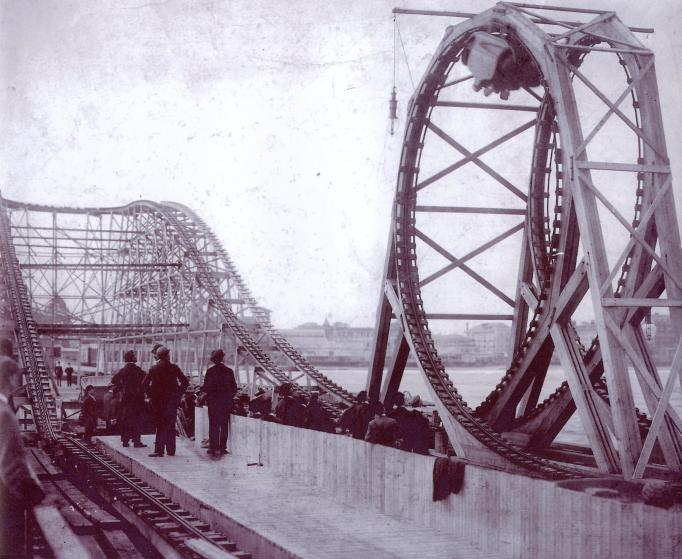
pixel 267 118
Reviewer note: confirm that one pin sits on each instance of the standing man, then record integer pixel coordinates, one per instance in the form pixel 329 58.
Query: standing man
pixel 154 348
pixel 164 385
pixel 69 374
pixel 220 388
pixel 59 373
pixel 19 490
pixel 89 413
pixel 357 417
pixel 128 384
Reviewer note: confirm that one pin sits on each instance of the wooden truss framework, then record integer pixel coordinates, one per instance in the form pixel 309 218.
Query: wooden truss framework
pixel 553 279
pixel 146 273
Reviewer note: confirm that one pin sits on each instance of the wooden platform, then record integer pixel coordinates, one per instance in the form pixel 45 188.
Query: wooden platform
pixel 273 517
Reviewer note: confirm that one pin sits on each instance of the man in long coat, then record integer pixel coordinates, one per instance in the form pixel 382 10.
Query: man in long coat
pixel 128 383
pixel 220 388
pixel 164 385
pixel 19 490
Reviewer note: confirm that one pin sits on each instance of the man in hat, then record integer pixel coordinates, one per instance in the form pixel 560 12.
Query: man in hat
pixel 58 373
pixel 127 384
pixel 155 347
pixel 220 388
pixel 165 385
pixel 19 490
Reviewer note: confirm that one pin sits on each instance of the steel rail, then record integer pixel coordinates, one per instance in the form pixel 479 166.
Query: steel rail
pixel 97 457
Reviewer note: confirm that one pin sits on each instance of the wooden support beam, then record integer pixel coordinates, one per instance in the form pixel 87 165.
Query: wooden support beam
pixel 649 141
pixel 556 8
pixel 59 537
pixel 468 15
pixel 208 550
pixel 382 325
pixel 594 248
pixel 459 262
pixel 494 174
pixel 661 410
pixel 594 423
pixel 456 81
pixel 539 351
pixel 612 109
pixel 522 306
pixel 469 316
pixel 670 439
pixel 632 168
pixel 636 235
pixel 572 293
pixel 606 49
pixel 471 210
pixel 493 106
pixel 528 295
pixel 641 228
pixel 648 377
pixel 396 368
pixel 638 302
pixel 582 28
pixel 473 156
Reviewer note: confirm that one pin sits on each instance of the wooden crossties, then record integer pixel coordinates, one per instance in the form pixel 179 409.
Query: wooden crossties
pixel 564 255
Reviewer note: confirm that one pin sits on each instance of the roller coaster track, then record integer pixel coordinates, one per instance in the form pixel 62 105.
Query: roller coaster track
pixel 546 243
pixel 42 398
pixel 172 522
pixel 553 248
pixel 554 234
pixel 186 225
pixel 184 219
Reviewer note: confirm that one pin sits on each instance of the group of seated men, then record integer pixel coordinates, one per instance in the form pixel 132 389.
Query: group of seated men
pixel 390 425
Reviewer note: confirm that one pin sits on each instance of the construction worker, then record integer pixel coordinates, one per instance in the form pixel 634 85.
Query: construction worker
pixel 127 384
pixel 220 388
pixel 165 385
pixel 69 374
pixel 19 490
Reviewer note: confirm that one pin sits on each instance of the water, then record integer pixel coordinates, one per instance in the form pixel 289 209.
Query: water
pixel 475 383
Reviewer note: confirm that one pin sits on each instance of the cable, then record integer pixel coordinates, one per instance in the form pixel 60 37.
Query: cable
pixel 407 62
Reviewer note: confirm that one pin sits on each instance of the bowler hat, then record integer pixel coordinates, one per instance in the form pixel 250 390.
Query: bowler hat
pixel 217 354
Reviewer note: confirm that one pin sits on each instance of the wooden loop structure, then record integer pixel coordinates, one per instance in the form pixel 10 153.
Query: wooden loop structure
pixel 594 230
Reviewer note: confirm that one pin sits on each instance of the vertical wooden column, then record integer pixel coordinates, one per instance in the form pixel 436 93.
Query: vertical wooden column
pixel 620 392
pixel 382 326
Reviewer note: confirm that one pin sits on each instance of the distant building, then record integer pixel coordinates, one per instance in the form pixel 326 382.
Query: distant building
pixel 332 344
pixel 492 341
pixel 454 349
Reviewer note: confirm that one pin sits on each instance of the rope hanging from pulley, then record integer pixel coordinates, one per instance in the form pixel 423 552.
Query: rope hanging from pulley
pixel 393 101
